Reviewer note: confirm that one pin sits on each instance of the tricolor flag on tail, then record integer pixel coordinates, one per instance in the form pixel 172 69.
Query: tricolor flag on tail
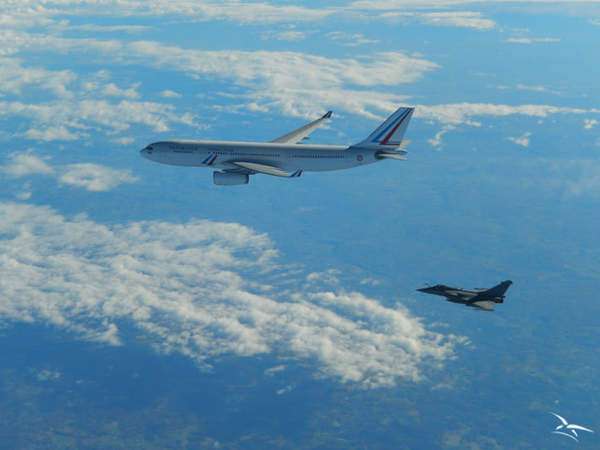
pixel 389 134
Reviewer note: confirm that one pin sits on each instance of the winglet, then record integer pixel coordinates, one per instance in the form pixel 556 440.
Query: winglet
pixel 296 137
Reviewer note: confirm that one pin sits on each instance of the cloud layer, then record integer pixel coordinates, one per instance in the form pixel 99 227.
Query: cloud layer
pixel 188 288
pixel 92 177
pixel 457 113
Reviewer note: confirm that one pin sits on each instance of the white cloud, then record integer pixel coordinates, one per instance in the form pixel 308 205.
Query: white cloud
pixel 112 90
pixel 81 104
pixel 24 164
pixel 285 390
pixel 18 16
pixel 436 141
pixel 329 277
pixel 590 123
pixel 14 78
pixel 587 182
pixel 170 94
pixel 522 141
pixel 52 133
pixel 109 28
pixel 23 195
pixel 96 279
pixel 123 140
pixel 271 371
pixel 432 4
pixel 464 113
pixel 465 19
pixel 525 40
pixel 370 282
pixel 524 87
pixel 566 178
pixel 243 12
pixel 48 375
pixel 388 69
pixel 64 120
pixel 290 36
pixel 350 39
pixel 93 177
pixel 28 13
pixel 457 113
pixel 316 83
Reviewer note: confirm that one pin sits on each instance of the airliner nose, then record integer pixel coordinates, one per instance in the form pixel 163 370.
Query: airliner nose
pixel 146 152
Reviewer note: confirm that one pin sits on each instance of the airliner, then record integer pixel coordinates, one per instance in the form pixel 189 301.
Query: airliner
pixel 287 156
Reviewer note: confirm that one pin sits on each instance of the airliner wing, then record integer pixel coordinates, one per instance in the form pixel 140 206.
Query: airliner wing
pixel 295 137
pixel 562 419
pixel 578 427
pixel 266 169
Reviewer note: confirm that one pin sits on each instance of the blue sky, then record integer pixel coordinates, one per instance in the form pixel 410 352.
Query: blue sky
pixel 313 280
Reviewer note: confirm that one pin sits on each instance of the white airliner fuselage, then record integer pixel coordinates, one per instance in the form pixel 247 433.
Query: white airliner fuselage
pixel 288 157
pixel 282 157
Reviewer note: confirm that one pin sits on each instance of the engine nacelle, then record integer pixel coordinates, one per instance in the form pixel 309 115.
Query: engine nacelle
pixel 229 179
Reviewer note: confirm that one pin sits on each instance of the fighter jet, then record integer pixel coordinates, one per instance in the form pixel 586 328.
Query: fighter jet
pixel 477 298
pixel 287 156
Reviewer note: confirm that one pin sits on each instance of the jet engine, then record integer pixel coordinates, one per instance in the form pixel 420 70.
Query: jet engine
pixel 229 179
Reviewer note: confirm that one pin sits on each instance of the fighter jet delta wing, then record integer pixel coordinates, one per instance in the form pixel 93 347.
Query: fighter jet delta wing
pixel 296 137
pixel 486 305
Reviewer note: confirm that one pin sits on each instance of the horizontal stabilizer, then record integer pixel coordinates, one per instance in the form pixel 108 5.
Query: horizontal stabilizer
pixel 266 169
pixel 395 155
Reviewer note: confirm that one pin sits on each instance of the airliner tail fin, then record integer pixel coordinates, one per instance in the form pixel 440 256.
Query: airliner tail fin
pixel 388 136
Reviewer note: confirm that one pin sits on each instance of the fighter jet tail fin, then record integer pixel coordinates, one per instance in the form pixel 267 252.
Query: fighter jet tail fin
pixel 497 291
pixel 501 288
pixel 388 136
